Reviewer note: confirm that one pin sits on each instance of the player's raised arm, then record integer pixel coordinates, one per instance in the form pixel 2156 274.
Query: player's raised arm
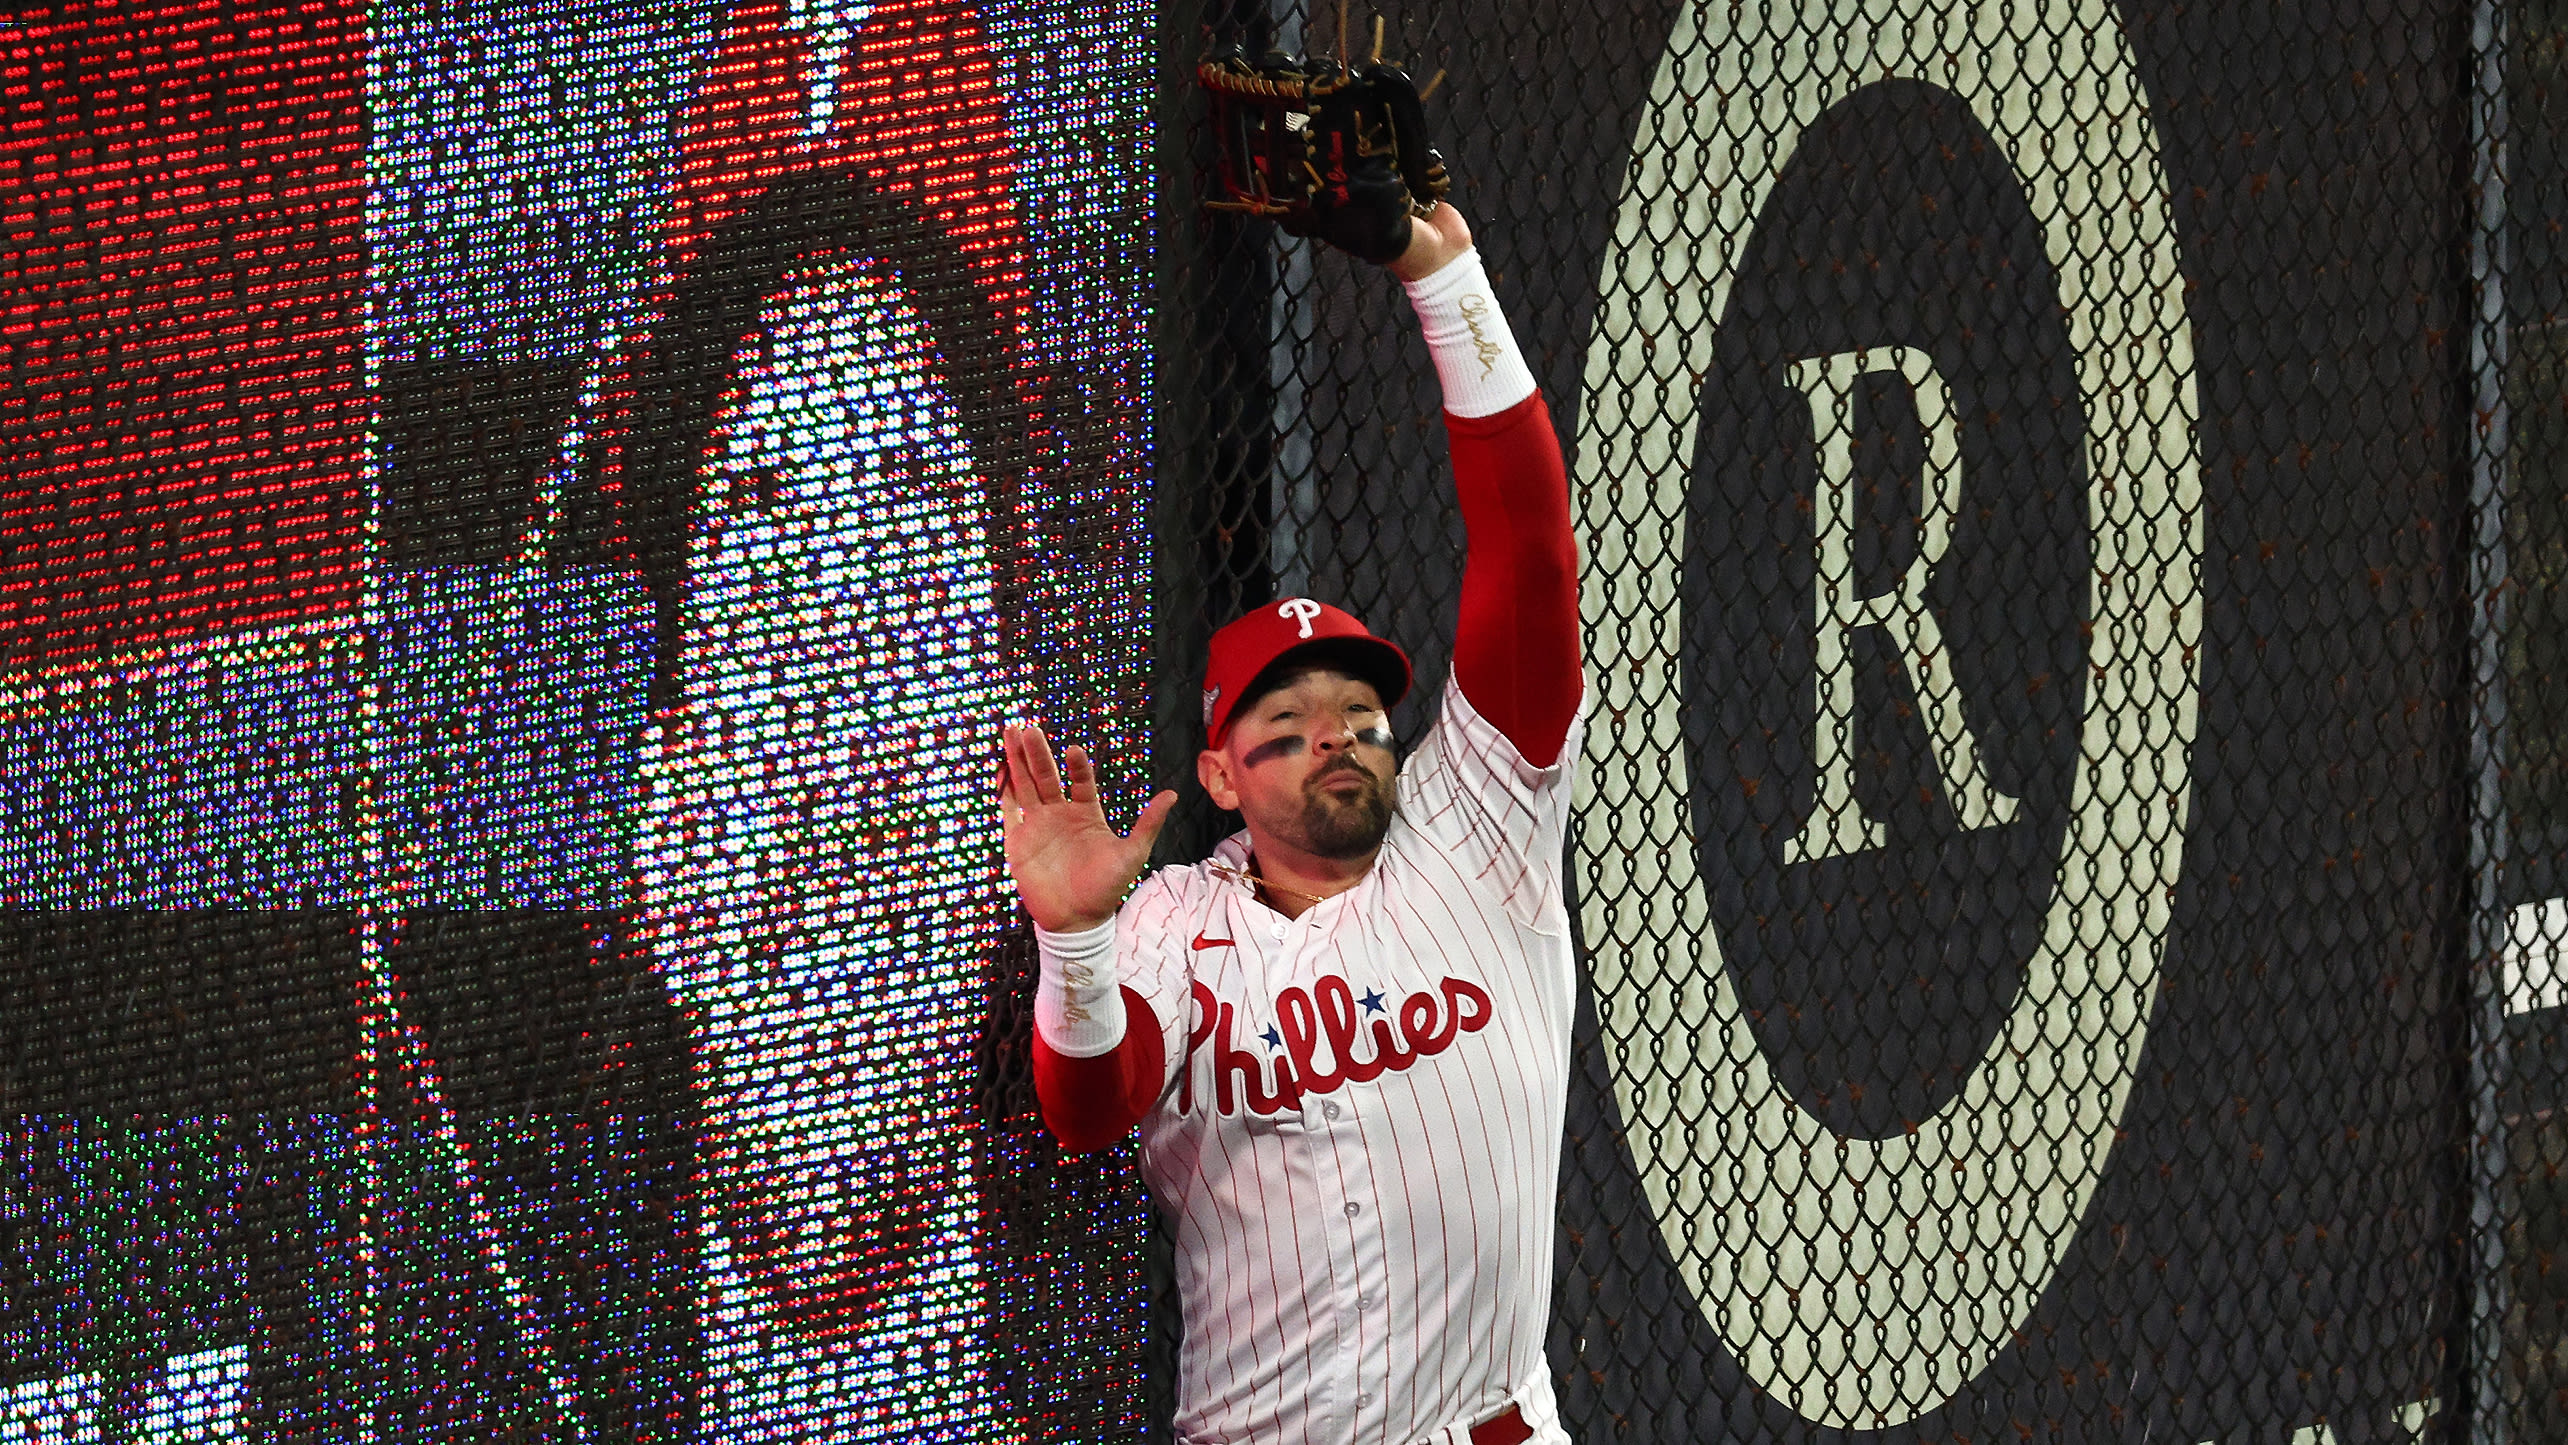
pixel 1515 651
pixel 1342 155
pixel 1097 1044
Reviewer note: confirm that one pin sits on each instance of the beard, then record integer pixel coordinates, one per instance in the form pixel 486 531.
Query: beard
pixel 1345 828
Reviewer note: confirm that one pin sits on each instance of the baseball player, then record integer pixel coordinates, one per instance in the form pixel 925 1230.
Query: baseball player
pixel 1345 1035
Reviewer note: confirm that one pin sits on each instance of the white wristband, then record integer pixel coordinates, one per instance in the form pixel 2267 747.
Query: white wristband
pixel 1476 356
pixel 1078 1000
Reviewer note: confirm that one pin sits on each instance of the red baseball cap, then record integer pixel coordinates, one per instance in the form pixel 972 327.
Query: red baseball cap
pixel 1299 631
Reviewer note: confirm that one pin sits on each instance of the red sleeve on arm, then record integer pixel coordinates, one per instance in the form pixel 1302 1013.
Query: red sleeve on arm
pixel 1091 1103
pixel 1515 650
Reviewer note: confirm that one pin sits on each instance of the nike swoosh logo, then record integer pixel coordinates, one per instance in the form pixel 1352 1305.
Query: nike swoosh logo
pixel 1202 943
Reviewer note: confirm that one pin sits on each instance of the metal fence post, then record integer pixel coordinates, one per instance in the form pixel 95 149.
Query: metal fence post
pixel 2487 820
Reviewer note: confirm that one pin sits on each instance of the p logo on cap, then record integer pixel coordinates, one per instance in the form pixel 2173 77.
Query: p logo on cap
pixel 1295 631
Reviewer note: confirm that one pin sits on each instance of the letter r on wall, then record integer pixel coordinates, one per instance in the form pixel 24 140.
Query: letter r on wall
pixel 1837 824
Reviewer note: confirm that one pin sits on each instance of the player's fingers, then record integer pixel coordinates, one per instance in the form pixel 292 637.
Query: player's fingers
pixel 1011 812
pixel 1025 770
pixel 1154 816
pixel 1083 774
pixel 1012 763
pixel 1041 771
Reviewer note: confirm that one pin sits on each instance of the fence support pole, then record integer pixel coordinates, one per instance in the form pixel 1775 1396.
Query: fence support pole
pixel 2489 344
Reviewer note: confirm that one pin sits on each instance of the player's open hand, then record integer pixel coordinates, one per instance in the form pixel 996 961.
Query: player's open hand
pixel 1071 869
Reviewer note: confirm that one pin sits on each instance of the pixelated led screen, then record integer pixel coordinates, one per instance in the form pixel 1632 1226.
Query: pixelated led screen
pixel 521 524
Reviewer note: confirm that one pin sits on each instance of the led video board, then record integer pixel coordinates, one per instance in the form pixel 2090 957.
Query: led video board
pixel 521 526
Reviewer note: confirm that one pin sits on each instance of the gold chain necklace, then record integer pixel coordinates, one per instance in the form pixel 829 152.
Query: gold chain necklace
pixel 1254 880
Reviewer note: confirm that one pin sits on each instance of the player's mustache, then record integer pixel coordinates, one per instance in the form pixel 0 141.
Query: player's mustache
pixel 1344 763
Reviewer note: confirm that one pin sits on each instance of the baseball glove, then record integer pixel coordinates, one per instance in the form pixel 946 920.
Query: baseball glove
pixel 1326 150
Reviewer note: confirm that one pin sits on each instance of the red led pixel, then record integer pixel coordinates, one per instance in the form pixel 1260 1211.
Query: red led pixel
pixel 181 420
pixel 918 110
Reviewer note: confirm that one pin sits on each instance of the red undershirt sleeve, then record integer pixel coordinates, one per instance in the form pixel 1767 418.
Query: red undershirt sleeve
pixel 1516 646
pixel 1091 1103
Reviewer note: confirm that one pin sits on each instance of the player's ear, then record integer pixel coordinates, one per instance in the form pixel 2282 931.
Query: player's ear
pixel 1212 769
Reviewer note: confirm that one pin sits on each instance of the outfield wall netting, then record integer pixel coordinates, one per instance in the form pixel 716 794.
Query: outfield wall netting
pixel 521 522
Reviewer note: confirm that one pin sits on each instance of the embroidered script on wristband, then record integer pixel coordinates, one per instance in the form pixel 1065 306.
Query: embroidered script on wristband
pixel 1474 307
pixel 1076 978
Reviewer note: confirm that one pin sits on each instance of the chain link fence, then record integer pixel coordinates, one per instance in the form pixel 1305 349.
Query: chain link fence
pixel 2034 465
pixel 523 521
pixel 2522 1332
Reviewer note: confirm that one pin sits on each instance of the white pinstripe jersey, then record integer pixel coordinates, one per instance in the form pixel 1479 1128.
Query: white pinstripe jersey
pixel 1359 1140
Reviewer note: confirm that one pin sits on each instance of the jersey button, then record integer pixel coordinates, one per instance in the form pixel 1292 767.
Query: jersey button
pixel 1353 1209
pixel 1363 1400
pixel 1364 1301
pixel 1331 1110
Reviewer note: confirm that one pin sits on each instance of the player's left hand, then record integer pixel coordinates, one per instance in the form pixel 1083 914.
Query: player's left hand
pixel 1438 237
